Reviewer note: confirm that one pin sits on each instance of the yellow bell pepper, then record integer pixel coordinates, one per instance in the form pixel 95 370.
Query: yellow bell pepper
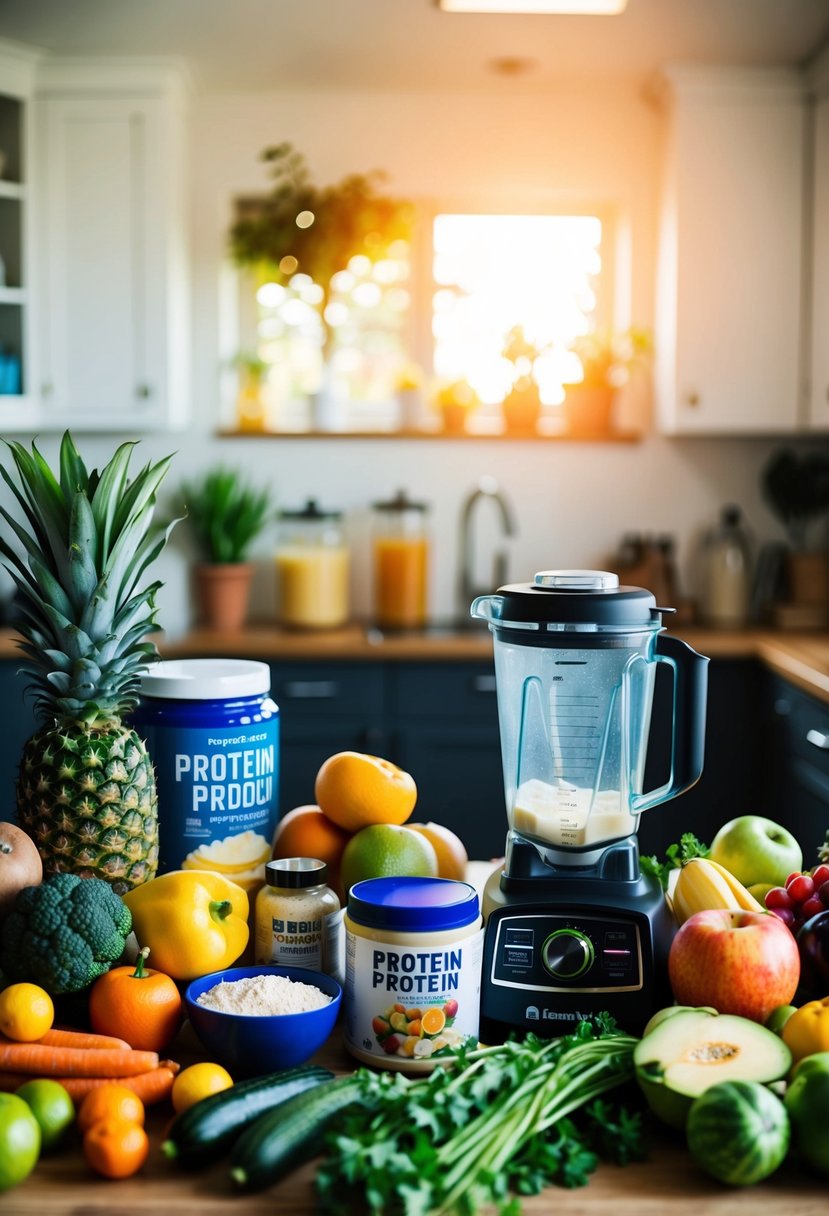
pixel 807 1030
pixel 193 921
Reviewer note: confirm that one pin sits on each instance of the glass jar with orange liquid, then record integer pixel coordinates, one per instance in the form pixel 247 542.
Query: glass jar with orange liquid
pixel 401 562
pixel 312 568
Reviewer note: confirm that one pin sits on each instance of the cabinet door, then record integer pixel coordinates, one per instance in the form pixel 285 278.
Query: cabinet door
pixel 799 730
pixel 729 315
pixel 819 398
pixel 447 737
pixel 324 708
pixel 19 723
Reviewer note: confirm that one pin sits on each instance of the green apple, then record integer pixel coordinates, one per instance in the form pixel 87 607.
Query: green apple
pixel 19 1141
pixel 760 890
pixel 778 1018
pixel 756 850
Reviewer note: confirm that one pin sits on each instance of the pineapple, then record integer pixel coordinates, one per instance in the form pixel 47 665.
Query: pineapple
pixel 86 788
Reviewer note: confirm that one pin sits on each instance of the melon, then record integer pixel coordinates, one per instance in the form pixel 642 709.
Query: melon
pixel 738 1132
pixel 686 1054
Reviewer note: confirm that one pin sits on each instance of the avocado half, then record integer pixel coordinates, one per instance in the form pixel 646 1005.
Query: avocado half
pixel 687 1053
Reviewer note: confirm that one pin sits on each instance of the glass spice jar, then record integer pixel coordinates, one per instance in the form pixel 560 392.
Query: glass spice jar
pixel 298 917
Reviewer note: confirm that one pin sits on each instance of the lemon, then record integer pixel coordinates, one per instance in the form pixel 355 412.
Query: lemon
pixel 197 1082
pixel 26 1012
pixel 385 850
pixel 233 855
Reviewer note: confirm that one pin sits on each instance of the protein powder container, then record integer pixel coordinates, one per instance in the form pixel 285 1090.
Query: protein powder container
pixel 212 731
pixel 413 971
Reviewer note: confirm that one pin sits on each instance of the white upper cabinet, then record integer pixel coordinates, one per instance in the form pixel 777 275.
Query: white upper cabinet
pixel 730 313
pixel 819 343
pixel 111 328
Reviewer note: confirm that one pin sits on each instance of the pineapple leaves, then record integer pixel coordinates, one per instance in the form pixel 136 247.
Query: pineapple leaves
pixel 108 494
pixel 73 474
pixel 83 576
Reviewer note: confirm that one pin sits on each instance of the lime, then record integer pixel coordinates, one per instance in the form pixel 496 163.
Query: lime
pixel 51 1106
pixel 385 850
pixel 19 1141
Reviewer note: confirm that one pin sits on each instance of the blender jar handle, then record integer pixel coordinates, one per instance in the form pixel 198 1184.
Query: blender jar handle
pixel 690 672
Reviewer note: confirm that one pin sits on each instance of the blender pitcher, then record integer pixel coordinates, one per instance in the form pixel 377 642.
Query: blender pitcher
pixel 575 664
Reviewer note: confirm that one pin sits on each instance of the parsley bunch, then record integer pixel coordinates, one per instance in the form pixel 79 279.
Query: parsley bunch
pixel 504 1121
pixel 676 856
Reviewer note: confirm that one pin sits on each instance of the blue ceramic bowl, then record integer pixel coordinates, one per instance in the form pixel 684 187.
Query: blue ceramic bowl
pixel 251 1045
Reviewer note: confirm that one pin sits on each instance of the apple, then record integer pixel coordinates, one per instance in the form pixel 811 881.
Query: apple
pixel 745 963
pixel 756 850
pixel 20 864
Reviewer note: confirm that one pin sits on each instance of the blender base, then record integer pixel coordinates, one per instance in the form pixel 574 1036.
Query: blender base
pixel 564 942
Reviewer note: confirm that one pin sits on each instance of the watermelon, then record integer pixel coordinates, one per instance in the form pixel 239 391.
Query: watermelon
pixel 738 1132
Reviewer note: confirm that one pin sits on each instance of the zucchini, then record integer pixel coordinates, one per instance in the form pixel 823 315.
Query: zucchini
pixel 289 1134
pixel 208 1128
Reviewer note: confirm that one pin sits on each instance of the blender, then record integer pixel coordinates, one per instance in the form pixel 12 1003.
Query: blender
pixel 572 926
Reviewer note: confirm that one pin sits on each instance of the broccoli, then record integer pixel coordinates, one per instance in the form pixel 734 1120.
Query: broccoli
pixel 64 933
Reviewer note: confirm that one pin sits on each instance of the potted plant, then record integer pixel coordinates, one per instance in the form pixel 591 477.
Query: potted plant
pixel 250 404
pixel 455 402
pixel 226 515
pixel 301 228
pixel 521 408
pixel 797 490
pixel 607 360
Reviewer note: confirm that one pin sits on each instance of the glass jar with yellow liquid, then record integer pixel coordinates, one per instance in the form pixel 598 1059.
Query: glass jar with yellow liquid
pixel 312 568
pixel 401 562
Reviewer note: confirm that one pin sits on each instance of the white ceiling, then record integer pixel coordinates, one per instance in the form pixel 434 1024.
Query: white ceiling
pixel 410 44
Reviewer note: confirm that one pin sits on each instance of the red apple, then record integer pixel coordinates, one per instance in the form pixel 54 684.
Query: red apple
pixel 745 963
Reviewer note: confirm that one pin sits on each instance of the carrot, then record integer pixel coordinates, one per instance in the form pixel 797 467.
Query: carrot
pixel 10 1081
pixel 58 1037
pixel 74 1061
pixel 152 1086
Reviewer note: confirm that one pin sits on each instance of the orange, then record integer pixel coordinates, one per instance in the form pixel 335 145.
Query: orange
pixel 385 850
pixel 26 1012
pixel 109 1102
pixel 306 832
pixel 452 857
pixel 355 790
pixel 433 1020
pixel 116 1148
pixel 137 1004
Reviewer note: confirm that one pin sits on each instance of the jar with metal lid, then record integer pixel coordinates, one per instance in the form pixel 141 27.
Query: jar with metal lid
pixel 401 562
pixel 312 567
pixel 297 916
pixel 212 729
pixel 413 971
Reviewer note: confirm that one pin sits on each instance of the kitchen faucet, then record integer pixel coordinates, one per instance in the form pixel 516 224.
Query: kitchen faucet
pixel 487 488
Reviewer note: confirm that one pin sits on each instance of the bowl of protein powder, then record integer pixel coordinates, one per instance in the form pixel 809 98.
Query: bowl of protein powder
pixel 256 1020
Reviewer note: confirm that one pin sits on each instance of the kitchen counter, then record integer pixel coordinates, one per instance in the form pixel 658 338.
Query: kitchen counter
pixel 63 1185
pixel 802 658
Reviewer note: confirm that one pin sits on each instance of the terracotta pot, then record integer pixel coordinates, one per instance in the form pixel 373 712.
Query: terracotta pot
pixel 454 418
pixel 588 410
pixel 223 591
pixel 521 410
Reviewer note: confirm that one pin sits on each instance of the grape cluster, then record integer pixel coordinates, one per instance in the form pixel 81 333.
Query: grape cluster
pixel 803 896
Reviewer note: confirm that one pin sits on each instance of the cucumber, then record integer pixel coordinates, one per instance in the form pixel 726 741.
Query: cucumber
pixel 289 1134
pixel 208 1128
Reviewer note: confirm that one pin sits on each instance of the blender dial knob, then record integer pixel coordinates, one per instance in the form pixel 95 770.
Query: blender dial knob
pixel 567 953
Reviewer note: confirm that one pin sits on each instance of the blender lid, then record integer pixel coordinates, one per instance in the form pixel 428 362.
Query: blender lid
pixel 577 597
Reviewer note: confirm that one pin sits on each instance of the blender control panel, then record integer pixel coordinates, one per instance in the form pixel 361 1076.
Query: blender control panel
pixel 555 953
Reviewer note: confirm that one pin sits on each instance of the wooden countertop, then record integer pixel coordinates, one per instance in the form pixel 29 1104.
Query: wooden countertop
pixel 63 1185
pixel 802 658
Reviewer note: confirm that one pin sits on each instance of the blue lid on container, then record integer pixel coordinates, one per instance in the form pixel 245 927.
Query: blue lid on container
pixel 412 905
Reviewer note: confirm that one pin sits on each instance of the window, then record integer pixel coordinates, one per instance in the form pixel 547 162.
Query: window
pixel 491 301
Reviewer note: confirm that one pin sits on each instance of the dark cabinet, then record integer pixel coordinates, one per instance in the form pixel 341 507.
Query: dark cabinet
pixel 446 735
pixel 797 749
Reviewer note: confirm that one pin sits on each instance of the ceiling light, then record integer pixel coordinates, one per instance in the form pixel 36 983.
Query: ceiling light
pixel 571 7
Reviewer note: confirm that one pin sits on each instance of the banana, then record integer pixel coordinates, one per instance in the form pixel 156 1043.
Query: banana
pixel 744 897
pixel 702 884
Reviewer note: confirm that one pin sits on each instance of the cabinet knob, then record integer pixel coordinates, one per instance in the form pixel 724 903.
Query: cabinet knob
pixel 692 399
pixel 818 738
pixel 143 391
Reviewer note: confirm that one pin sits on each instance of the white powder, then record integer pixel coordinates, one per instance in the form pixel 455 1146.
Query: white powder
pixel 263 995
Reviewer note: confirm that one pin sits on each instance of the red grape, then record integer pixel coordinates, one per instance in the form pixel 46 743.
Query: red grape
pixel 795 874
pixel 785 914
pixel 811 907
pixel 778 897
pixel 801 888
pixel 820 875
